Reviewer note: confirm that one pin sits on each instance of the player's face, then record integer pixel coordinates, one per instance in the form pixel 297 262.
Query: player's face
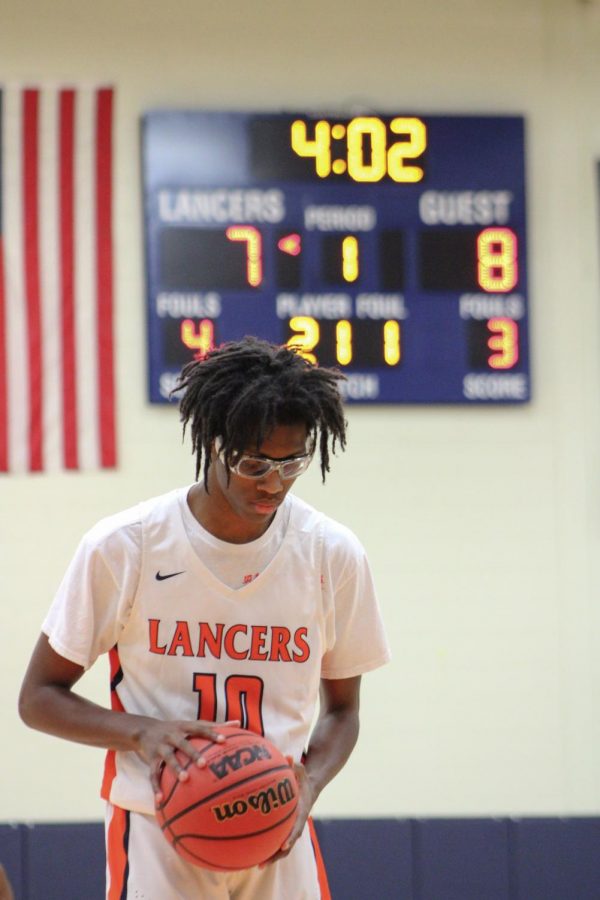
pixel 255 500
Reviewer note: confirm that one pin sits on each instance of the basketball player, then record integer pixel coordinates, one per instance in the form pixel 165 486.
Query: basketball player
pixel 228 600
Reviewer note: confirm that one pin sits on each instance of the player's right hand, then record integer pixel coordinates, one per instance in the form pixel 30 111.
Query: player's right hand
pixel 158 742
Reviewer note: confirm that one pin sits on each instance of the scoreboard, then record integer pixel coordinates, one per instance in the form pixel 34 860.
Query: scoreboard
pixel 390 246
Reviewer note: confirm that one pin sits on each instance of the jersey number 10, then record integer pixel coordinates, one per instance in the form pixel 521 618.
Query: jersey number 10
pixel 243 699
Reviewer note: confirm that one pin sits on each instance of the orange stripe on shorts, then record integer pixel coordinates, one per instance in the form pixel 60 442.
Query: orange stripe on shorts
pixel 117 841
pixel 110 762
pixel 321 872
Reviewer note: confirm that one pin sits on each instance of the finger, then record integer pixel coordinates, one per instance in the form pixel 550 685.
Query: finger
pixel 167 753
pixel 191 751
pixel 197 729
pixel 290 840
pixel 206 730
pixel 155 773
pixel 283 850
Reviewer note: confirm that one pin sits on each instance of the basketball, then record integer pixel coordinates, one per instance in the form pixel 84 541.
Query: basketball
pixel 238 810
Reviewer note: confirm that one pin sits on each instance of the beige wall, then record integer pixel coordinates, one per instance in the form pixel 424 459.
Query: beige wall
pixel 483 524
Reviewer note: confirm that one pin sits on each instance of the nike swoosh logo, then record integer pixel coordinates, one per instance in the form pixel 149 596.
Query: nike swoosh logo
pixel 160 577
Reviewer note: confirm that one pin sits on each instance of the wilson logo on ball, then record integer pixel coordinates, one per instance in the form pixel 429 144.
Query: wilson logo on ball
pixel 237 810
pixel 234 761
pixel 263 801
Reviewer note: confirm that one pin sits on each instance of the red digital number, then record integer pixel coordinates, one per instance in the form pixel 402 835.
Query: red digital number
pixel 253 239
pixel 497 269
pixel 505 341
pixel 201 339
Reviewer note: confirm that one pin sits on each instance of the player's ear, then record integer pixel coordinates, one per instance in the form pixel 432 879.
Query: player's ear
pixel 216 453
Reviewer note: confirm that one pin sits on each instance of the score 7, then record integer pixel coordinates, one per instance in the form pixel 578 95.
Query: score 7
pixel 243 699
pixel 253 239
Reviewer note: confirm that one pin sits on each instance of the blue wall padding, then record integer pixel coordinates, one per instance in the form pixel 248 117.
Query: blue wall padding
pixel 66 862
pixel 12 855
pixel 556 859
pixel 455 859
pixel 367 858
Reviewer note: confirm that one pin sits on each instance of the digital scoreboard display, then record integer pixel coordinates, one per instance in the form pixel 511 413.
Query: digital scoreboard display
pixel 390 246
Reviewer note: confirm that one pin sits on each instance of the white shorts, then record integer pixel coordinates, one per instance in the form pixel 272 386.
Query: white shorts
pixel 141 865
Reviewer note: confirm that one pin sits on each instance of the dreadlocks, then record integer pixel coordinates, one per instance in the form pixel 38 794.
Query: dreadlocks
pixel 242 390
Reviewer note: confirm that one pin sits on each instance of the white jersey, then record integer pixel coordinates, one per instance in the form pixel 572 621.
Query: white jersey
pixel 185 645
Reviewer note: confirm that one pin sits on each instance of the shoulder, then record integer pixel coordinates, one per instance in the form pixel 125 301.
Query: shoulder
pixel 340 544
pixel 114 524
pixel 123 530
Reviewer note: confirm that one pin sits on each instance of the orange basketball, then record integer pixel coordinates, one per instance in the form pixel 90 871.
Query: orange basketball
pixel 238 810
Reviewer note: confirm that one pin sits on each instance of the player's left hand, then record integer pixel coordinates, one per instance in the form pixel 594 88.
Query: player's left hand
pixel 306 800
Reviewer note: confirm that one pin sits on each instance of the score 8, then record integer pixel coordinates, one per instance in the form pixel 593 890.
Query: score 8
pixel 497 269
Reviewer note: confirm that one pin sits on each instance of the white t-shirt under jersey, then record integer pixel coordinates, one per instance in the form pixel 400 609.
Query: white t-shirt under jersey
pixel 235 564
pixel 193 635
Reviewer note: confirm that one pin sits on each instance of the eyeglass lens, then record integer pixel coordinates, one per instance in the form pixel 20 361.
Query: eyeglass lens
pixel 257 468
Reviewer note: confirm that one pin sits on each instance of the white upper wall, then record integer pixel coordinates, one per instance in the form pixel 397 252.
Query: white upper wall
pixel 482 524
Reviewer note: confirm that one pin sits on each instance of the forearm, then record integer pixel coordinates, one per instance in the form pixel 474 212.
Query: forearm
pixel 47 702
pixel 331 743
pixel 59 711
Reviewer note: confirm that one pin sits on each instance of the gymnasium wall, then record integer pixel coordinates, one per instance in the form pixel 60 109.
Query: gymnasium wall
pixel 482 524
pixel 415 859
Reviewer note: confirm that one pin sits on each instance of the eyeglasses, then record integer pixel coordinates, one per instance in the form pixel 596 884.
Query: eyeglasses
pixel 248 466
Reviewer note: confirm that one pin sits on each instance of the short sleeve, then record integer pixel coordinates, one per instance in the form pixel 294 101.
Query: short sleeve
pixel 359 642
pixel 94 599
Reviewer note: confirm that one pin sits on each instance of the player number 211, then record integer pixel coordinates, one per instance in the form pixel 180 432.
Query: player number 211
pixel 308 333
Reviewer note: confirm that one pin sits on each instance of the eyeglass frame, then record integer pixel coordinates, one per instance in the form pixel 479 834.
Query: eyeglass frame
pixel 274 465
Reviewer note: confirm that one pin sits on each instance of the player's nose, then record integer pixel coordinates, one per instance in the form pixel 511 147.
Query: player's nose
pixel 272 483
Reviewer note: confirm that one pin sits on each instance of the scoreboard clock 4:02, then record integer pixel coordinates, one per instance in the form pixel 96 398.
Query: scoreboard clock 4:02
pixel 390 246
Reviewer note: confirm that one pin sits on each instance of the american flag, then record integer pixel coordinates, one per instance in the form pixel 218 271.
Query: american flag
pixel 57 406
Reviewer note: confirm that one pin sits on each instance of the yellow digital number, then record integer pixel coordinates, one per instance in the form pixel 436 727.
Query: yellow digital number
pixel 320 147
pixel 391 342
pixel 350 267
pixel 201 339
pixel 343 342
pixel 307 336
pixel 504 340
pixel 253 240
pixel 374 129
pixel 410 149
pixel 497 269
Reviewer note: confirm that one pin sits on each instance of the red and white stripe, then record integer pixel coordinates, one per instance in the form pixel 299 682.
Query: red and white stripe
pixel 57 406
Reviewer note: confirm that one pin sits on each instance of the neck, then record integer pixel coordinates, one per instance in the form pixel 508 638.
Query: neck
pixel 214 513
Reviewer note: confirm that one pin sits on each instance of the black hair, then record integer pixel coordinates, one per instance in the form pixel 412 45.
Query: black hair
pixel 243 389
